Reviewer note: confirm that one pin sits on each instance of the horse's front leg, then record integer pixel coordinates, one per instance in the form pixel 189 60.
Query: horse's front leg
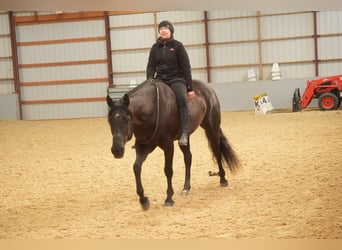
pixel 141 155
pixel 187 161
pixel 168 170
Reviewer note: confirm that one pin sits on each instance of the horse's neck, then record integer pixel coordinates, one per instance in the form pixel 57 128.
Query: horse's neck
pixel 142 103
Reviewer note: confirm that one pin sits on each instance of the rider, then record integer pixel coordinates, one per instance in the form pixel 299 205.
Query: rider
pixel 169 62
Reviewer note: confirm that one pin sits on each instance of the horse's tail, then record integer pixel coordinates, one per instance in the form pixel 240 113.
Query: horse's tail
pixel 228 153
pixel 222 151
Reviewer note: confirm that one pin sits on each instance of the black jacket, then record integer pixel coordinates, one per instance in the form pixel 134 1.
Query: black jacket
pixel 169 62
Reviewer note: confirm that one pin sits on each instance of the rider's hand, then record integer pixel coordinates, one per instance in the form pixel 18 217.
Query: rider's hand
pixel 191 94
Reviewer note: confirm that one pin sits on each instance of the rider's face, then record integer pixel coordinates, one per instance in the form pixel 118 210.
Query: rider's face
pixel 165 33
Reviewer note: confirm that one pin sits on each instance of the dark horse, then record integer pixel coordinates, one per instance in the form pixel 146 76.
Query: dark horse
pixel 149 111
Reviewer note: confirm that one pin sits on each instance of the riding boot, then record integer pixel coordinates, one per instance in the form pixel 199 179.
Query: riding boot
pixel 184 121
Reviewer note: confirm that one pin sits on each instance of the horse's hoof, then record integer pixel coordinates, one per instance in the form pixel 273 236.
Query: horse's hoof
pixel 169 203
pixel 146 205
pixel 185 192
pixel 224 184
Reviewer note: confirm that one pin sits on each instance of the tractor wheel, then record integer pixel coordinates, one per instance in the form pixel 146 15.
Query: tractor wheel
pixel 328 101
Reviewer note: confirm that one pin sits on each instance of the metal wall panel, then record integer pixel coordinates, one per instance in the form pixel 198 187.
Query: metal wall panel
pixel 289 25
pixel 330 68
pixel 230 74
pixel 291 71
pixel 63 30
pixel 64 110
pixel 246 53
pixel 4 23
pixel 6 66
pixel 47 53
pixel 46 64
pixel 330 47
pixel 129 60
pixel 329 44
pixel 233 30
pixel 86 71
pixel 189 33
pixel 329 22
pixel 288 50
pixel 295 47
pixel 230 14
pixel 129 38
pixel 69 91
pixel 179 16
pixel 238 46
pixel 196 56
pixel 131 20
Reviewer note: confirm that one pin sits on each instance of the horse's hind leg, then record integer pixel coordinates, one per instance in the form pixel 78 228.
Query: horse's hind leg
pixel 187 161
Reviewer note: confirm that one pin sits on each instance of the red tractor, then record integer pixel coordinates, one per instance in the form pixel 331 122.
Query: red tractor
pixel 327 89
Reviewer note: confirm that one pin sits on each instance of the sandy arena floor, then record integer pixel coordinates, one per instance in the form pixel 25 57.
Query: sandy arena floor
pixel 58 180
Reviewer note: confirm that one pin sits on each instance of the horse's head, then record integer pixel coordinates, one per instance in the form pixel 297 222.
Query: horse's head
pixel 120 120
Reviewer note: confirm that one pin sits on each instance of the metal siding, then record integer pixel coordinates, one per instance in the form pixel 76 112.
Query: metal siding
pixel 331 68
pixel 230 74
pixel 291 71
pixel 63 73
pixel 180 16
pixel 287 25
pixel 4 24
pixel 64 111
pixel 329 22
pixel 330 47
pixel 126 48
pixel 6 66
pixel 6 86
pixel 232 54
pixel 128 38
pixel 69 91
pixel 233 30
pixel 56 31
pixel 229 14
pixel 129 61
pixel 189 33
pixel 288 50
pixel 62 52
pixel 126 79
pixel 196 56
pixel 131 20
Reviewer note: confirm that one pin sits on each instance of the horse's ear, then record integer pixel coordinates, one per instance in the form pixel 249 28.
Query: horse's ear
pixel 125 100
pixel 110 102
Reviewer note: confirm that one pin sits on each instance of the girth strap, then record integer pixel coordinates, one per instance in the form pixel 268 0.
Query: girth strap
pixel 157 118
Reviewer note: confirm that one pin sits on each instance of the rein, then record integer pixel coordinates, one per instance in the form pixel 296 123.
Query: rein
pixel 157 119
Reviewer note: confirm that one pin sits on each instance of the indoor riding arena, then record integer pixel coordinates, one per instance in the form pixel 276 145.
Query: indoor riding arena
pixel 59 179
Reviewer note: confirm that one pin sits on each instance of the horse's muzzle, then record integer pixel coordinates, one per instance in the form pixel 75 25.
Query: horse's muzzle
pixel 118 152
pixel 118 148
